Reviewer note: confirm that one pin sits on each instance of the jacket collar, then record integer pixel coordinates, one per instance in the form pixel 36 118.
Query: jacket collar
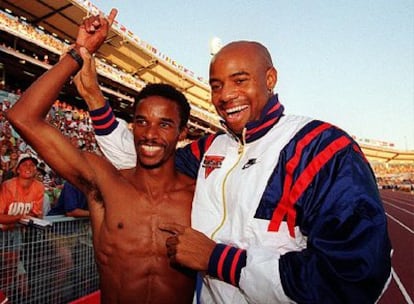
pixel 270 115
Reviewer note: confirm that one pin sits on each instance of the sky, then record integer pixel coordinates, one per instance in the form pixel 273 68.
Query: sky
pixel 350 63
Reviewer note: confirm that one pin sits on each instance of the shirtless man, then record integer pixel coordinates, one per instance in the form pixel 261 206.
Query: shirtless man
pixel 126 206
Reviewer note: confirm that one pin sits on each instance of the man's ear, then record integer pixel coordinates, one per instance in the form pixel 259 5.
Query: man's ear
pixel 183 133
pixel 271 78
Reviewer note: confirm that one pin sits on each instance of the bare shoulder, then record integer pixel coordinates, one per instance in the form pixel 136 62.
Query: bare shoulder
pixel 185 183
pixel 101 173
pixel 100 163
pixel 93 157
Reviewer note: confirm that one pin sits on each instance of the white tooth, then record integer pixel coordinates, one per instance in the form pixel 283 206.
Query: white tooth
pixel 235 109
pixel 150 148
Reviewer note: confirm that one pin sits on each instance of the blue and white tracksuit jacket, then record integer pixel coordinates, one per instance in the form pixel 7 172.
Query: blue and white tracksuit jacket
pixel 293 206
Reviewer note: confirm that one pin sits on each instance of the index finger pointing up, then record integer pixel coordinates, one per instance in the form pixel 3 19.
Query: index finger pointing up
pixel 112 15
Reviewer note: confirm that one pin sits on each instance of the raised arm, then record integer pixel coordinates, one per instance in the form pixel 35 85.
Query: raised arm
pixel 28 117
pixel 28 114
pixel 113 136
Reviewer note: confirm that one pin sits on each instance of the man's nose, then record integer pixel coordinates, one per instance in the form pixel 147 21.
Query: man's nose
pixel 151 131
pixel 228 93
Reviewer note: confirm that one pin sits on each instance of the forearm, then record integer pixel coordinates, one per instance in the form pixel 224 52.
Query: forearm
pixel 86 82
pixel 6 219
pixel 40 96
pixel 78 213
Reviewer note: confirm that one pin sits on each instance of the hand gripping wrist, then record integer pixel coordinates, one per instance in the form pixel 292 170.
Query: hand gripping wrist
pixel 75 55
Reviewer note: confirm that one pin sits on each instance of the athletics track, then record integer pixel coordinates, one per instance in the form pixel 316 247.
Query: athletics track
pixel 399 207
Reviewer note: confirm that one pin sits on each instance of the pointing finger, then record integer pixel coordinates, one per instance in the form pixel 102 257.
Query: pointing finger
pixel 112 15
pixel 172 241
pixel 172 228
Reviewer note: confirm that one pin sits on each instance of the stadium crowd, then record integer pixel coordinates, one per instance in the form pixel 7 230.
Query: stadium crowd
pixel 398 176
pixel 73 122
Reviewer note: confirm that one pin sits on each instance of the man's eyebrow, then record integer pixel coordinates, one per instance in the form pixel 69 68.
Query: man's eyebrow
pixel 213 80
pixel 236 74
pixel 240 73
pixel 165 119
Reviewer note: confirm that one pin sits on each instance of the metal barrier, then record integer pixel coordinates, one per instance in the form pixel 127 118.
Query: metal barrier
pixel 48 265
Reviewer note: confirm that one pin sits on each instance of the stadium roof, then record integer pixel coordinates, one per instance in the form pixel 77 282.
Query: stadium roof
pixel 122 48
pixel 381 154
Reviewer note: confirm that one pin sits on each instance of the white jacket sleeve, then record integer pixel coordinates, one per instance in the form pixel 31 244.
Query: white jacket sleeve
pixel 118 146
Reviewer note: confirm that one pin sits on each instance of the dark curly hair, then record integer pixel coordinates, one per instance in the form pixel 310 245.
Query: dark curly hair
pixel 169 92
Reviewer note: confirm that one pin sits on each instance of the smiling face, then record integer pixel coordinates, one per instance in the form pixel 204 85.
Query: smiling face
pixel 242 78
pixel 27 169
pixel 156 131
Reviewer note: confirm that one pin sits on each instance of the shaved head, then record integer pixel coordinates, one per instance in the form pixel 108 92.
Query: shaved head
pixel 253 48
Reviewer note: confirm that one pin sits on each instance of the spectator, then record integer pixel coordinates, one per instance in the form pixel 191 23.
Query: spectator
pixel 41 176
pixel 5 154
pixel 2 123
pixel 23 194
pixel 20 196
pixel 71 202
pixel 8 137
pixel 12 167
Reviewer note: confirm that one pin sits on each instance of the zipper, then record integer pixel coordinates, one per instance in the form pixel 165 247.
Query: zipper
pixel 240 152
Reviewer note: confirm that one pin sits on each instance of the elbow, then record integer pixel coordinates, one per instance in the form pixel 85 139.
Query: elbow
pixel 11 115
pixel 16 118
pixel 20 118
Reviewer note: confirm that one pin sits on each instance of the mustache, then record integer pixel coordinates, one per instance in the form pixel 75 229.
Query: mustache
pixel 149 142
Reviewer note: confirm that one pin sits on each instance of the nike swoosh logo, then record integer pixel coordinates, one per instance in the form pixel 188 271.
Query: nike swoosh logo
pixel 249 163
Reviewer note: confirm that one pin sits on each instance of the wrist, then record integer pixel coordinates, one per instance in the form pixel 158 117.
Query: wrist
pixel 74 53
pixel 94 99
pixel 103 120
pixel 226 263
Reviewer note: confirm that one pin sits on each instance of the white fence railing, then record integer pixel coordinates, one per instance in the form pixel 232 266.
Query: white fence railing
pixel 49 265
